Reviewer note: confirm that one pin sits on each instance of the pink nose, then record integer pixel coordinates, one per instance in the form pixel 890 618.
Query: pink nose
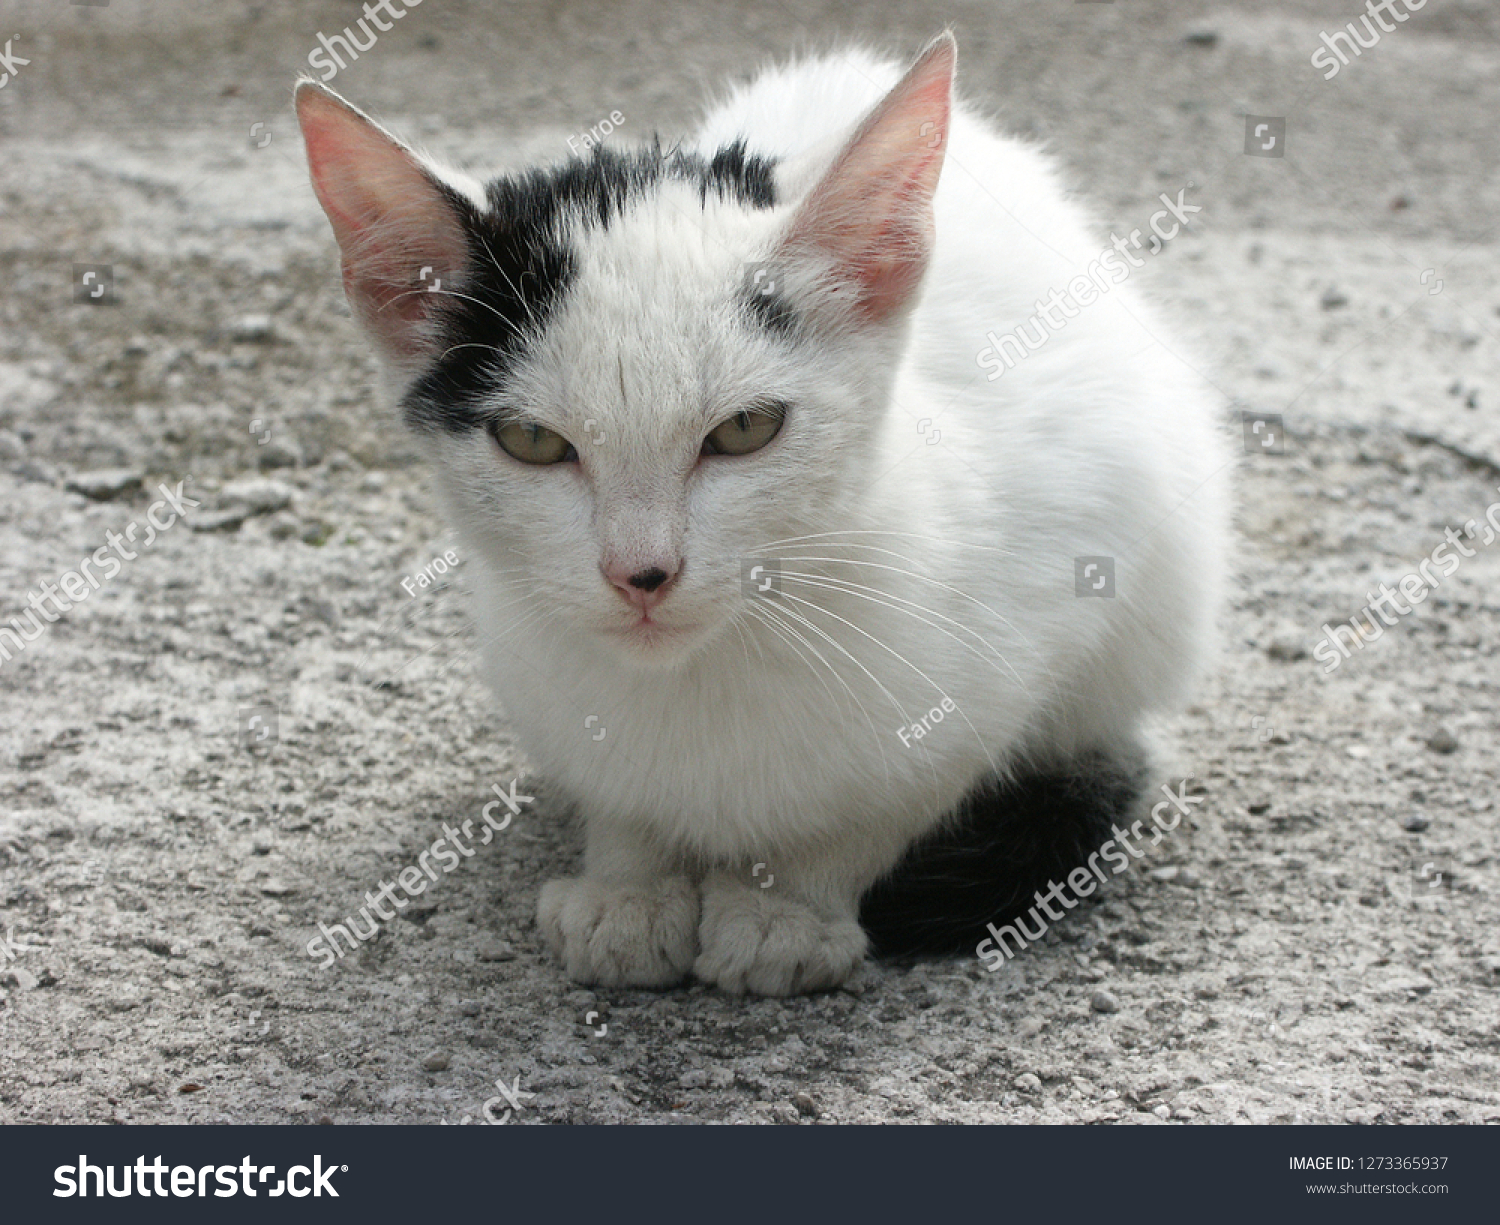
pixel 645 588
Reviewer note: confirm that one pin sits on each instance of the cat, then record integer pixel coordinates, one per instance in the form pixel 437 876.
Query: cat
pixel 804 611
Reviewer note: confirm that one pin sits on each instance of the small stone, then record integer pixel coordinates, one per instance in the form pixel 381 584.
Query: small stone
pixel 1332 299
pixel 1104 1001
pixel 1415 822
pixel 218 520
pixel 279 453
pixel 259 495
pixel 1201 38
pixel 1028 1082
pixel 1286 650
pixel 496 950
pixel 272 887
pixel 1443 741
pixel 1162 1112
pixel 105 484
pixel 806 1107
pixel 1358 751
pixel 23 978
pixel 1031 1027
pixel 252 330
pixel 436 1062
pixel 1168 873
pixel 694 1078
pixel 468 1008
pixel 1258 807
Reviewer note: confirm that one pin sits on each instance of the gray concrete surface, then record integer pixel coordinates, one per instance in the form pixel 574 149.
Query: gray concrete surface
pixel 1284 960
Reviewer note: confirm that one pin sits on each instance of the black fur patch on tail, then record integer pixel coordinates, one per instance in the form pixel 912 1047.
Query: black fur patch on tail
pixel 1006 840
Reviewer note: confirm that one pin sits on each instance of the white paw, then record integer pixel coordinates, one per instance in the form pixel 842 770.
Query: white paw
pixel 772 946
pixel 621 935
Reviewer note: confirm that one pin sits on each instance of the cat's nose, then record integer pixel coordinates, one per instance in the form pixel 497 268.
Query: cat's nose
pixel 646 587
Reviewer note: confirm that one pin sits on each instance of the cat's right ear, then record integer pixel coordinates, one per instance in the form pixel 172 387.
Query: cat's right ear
pixel 398 230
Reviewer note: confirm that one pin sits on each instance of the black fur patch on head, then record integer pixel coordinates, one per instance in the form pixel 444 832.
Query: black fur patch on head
pixel 1007 841
pixel 772 311
pixel 520 265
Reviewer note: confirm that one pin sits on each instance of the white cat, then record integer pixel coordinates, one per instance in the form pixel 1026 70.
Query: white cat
pixel 741 491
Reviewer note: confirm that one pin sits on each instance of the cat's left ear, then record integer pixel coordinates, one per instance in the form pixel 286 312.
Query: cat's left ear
pixel 397 227
pixel 871 213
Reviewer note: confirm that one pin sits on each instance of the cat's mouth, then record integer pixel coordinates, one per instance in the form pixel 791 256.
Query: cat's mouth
pixel 645 634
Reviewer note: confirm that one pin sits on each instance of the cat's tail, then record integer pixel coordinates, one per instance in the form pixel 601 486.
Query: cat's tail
pixel 1007 841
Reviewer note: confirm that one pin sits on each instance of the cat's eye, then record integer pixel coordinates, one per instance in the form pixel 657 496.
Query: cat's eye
pixel 748 430
pixel 532 443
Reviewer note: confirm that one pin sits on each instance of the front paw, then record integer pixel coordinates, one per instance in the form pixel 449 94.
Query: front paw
pixel 770 945
pixel 614 935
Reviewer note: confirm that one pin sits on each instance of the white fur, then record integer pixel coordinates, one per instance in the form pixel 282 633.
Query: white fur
pixel 725 746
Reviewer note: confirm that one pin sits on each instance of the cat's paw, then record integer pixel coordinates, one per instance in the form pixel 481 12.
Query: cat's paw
pixel 614 935
pixel 772 945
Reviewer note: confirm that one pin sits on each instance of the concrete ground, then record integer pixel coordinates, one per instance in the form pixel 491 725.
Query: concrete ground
pixel 1324 945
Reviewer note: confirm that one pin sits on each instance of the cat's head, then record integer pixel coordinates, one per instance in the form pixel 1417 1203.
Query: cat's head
pixel 635 370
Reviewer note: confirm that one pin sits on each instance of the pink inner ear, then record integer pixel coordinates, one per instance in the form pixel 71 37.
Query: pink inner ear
pixel 872 211
pixel 400 239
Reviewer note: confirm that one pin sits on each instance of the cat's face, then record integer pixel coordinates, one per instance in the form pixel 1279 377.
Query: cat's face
pixel 658 427
pixel 642 373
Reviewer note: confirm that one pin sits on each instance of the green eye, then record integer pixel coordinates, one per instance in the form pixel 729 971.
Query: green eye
pixel 748 430
pixel 532 443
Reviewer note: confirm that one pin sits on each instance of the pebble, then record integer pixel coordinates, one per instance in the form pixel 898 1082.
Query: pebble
pixel 218 520
pixel 279 453
pixel 252 329
pixel 695 1078
pixel 1104 1001
pixel 1443 741
pixel 1028 1082
pixel 806 1107
pixel 1031 1027
pixel 1332 299
pixel 436 1062
pixel 468 1008
pixel 1286 650
pixel 1415 823
pixel 1162 1112
pixel 496 950
pixel 259 495
pixel 106 484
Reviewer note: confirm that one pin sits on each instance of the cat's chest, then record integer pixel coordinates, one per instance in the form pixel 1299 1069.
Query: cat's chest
pixel 742 755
